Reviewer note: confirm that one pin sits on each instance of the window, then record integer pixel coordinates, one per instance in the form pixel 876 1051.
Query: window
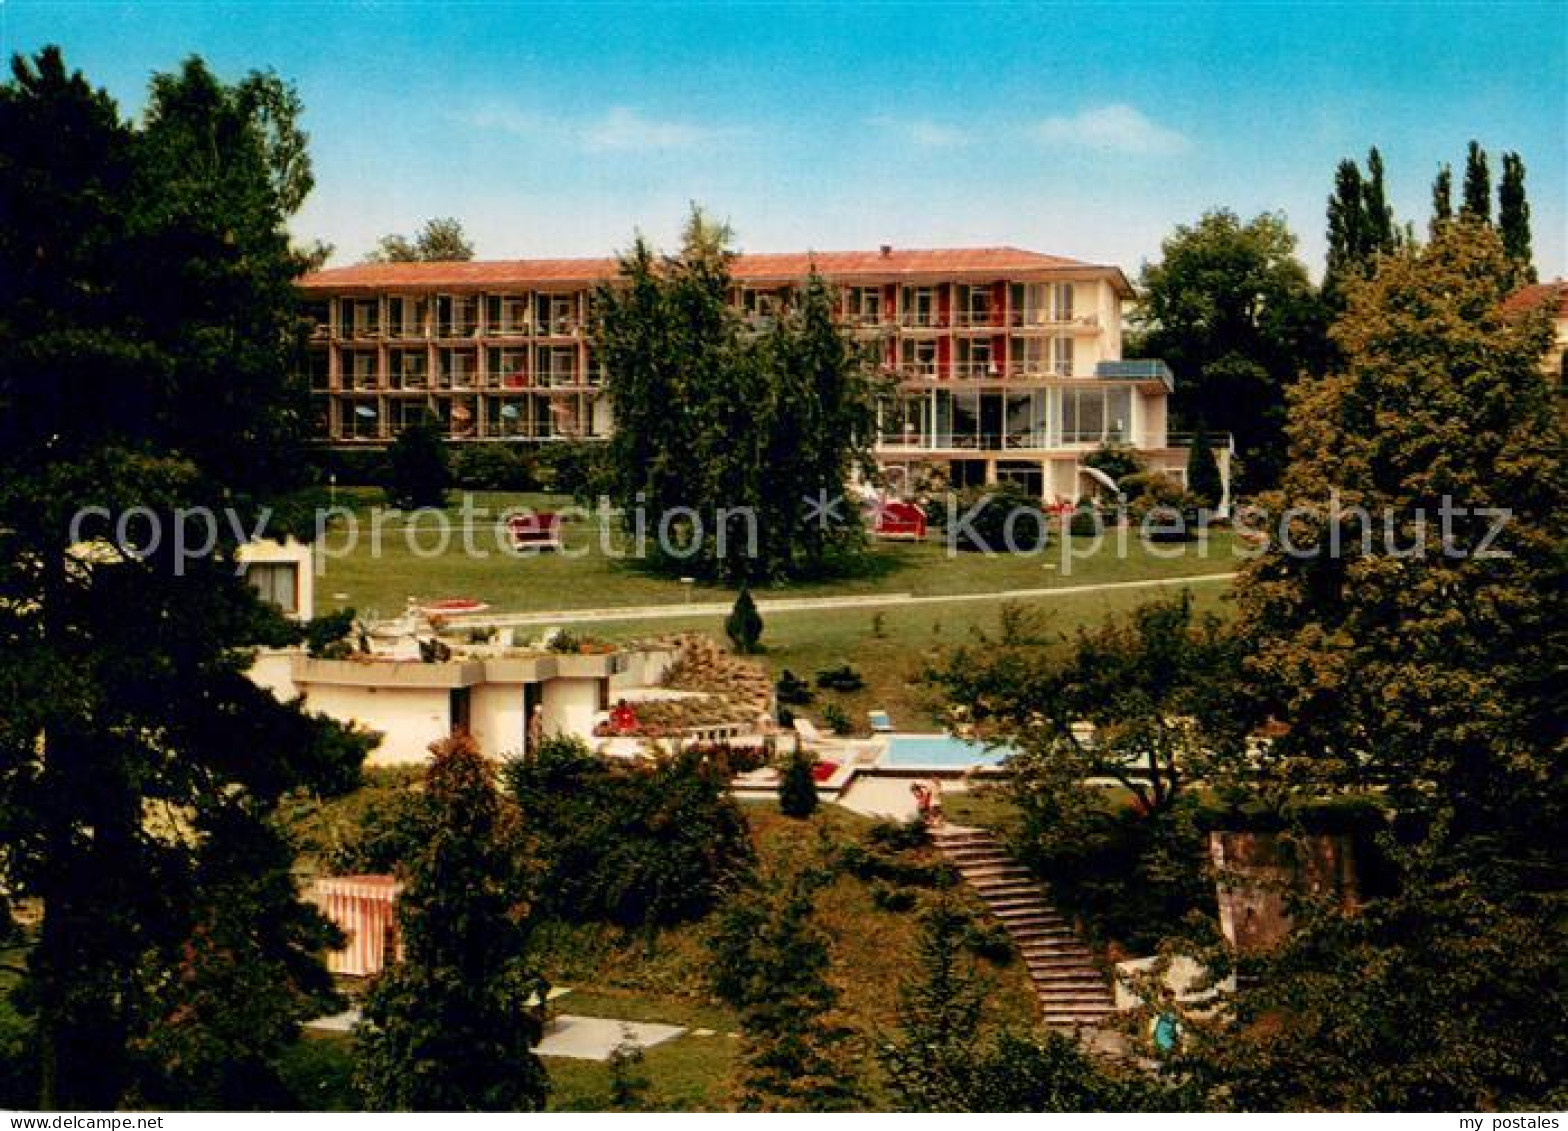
pixel 406 317
pixel 364 422
pixel 558 314
pixel 558 366
pixel 409 369
pixel 920 306
pixel 362 369
pixel 506 315
pixel 508 368
pixel 456 316
pixel 1028 304
pixel 406 414
pixel 318 318
pixel 275 582
pixel 920 358
pixel 1062 356
pixel 977 306
pixel 1062 302
pixel 361 317
pixel 1028 357
pixel 865 305
pixel 457 368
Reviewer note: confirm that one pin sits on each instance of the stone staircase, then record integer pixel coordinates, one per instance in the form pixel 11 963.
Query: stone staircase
pixel 1072 990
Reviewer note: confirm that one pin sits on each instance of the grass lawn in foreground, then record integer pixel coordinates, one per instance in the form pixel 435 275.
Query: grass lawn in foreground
pixel 379 571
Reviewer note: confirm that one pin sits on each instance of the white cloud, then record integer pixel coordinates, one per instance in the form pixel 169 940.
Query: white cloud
pixel 618 129
pixel 921 132
pixel 623 128
pixel 1116 128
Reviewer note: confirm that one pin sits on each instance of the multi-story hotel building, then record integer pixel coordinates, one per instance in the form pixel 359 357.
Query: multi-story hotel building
pixel 1007 364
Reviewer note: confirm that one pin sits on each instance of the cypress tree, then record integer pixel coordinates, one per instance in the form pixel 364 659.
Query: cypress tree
pixel 1442 196
pixel 1513 218
pixel 744 624
pixel 797 785
pixel 1382 234
pixel 1347 230
pixel 1203 470
pixel 1477 202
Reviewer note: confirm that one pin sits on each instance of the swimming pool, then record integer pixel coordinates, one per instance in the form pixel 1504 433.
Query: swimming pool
pixel 938 751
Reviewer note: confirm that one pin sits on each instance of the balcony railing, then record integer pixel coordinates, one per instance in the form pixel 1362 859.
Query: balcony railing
pixel 922 320
pixel 1136 369
pixel 978 319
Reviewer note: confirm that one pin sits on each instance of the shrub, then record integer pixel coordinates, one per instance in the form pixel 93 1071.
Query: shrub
pixel 793 690
pixel 842 678
pixel 1086 522
pixel 1203 470
pixel 893 899
pixel 495 467
pixel 899 836
pixel 635 845
pixel 572 467
pixel 797 786
pixel 1115 460
pixel 837 719
pixel 419 471
pixel 990 941
pixel 1001 518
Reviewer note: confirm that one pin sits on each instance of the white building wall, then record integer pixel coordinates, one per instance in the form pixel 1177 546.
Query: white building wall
pixel 496 719
pixel 570 705
pixel 409 719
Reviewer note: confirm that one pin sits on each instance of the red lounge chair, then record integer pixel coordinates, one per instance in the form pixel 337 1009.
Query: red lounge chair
pixel 540 531
pixel 899 520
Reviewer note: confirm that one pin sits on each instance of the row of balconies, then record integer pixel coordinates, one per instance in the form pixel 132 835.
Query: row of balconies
pixel 419 382
pixel 574 326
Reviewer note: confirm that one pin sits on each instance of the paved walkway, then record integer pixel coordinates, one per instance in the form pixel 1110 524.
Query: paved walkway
pixel 778 605
pixel 595 1038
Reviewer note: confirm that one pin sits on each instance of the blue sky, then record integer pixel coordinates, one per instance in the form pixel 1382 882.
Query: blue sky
pixel 1082 129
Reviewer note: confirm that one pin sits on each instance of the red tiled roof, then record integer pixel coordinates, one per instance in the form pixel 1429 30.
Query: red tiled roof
pixel 1538 294
pixel 986 262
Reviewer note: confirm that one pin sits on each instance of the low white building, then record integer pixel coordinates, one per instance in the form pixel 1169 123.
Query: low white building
pixel 491 692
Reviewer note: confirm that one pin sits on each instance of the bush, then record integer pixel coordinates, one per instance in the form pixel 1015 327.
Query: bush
pixel 793 690
pixel 797 786
pixel 354 467
pixel 842 678
pixel 893 899
pixel 1001 519
pixel 419 470
pixel 1133 878
pixel 990 941
pixel 572 467
pixel 1087 522
pixel 837 719
pixel 634 845
pixel 495 467
pixel 899 836
pixel 1115 460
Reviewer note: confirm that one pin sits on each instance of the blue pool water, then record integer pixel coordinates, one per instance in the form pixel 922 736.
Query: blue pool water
pixel 938 750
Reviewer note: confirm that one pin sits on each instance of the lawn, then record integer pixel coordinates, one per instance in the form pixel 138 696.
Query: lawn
pixel 891 647
pixel 379 568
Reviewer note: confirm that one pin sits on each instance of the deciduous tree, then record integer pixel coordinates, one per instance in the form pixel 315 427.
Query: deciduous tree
pixel 1232 311
pixel 441 240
